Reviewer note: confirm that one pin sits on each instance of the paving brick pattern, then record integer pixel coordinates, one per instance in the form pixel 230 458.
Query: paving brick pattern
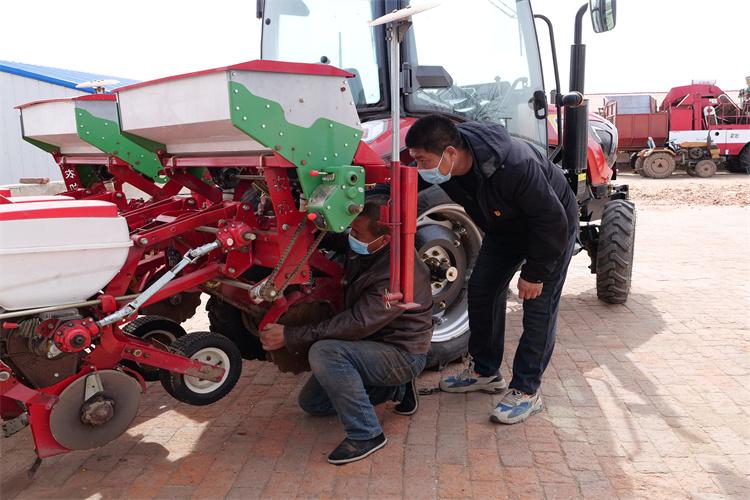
pixel 645 400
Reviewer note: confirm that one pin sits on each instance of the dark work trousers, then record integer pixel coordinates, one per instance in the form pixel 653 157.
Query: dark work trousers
pixel 499 259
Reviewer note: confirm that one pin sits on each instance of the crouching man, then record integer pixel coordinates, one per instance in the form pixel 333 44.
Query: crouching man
pixel 368 353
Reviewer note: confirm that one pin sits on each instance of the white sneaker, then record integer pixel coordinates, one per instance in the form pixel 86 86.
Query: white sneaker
pixel 516 406
pixel 470 381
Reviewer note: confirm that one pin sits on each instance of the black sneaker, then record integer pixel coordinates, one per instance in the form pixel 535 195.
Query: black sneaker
pixel 410 403
pixel 351 450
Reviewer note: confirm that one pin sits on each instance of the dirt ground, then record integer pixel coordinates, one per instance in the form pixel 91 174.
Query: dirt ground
pixel 648 399
pixel 680 189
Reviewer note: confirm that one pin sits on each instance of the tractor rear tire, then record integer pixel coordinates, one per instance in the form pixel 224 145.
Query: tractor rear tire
pixel 210 348
pixel 614 256
pixel 659 165
pixel 740 164
pixel 450 339
pixel 705 168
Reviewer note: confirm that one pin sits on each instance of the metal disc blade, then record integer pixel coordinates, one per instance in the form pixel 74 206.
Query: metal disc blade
pixel 65 417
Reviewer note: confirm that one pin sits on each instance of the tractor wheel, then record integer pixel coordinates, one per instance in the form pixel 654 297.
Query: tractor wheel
pixel 659 165
pixel 227 320
pixel 614 255
pixel 210 348
pixel 691 171
pixel 446 236
pixel 638 165
pixel 705 168
pixel 162 332
pixel 741 163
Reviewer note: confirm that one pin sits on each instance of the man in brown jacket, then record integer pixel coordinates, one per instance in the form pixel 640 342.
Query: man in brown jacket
pixel 368 353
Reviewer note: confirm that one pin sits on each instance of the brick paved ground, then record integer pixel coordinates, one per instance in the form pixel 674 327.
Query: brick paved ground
pixel 649 399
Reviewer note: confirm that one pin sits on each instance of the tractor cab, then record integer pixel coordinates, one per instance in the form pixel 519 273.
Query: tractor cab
pixel 499 79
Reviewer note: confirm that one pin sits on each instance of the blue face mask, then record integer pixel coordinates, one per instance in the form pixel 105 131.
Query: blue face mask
pixel 433 175
pixel 359 246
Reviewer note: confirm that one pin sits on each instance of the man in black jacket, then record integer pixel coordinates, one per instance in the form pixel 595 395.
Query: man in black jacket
pixel 368 353
pixel 529 214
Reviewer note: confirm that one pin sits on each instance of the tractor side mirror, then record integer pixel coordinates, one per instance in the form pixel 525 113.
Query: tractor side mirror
pixel 603 14
pixel 426 77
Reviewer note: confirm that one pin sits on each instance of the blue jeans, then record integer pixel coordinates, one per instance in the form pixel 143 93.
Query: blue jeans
pixel 497 262
pixel 351 376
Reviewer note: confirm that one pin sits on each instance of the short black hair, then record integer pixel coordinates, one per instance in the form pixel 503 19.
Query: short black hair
pixel 371 210
pixel 434 133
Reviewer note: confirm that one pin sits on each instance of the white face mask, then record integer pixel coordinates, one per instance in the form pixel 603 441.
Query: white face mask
pixel 433 175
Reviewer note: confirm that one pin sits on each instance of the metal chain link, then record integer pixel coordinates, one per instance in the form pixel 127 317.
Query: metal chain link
pixel 299 265
pixel 276 270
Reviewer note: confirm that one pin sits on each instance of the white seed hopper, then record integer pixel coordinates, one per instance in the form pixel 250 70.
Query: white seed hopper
pixel 58 252
pixel 53 122
pixel 191 114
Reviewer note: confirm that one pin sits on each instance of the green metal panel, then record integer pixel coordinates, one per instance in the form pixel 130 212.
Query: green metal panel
pixel 328 147
pixel 105 135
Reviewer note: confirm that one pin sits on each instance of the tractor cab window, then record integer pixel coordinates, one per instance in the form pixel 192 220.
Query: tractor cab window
pixel 489 48
pixel 328 32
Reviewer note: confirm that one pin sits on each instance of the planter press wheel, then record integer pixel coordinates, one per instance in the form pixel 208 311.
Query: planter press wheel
pixel 210 348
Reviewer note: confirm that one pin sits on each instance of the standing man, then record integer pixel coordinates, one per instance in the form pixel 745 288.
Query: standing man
pixel 369 353
pixel 529 215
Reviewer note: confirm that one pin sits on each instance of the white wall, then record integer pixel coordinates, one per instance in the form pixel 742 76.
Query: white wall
pixel 18 158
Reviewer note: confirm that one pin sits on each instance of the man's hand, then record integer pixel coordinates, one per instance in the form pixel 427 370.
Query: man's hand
pixel 272 336
pixel 528 290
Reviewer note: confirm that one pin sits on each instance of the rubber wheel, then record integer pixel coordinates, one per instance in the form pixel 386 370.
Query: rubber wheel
pixel 614 256
pixel 705 168
pixel 741 163
pixel 210 348
pixel 162 331
pixel 659 165
pixel 444 352
pixel 690 171
pixel 638 165
pixel 226 319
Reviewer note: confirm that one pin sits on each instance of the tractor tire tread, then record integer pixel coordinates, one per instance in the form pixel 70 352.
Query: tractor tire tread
pixel 614 265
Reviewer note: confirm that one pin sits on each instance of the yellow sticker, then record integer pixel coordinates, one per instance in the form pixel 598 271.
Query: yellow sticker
pixel 582 177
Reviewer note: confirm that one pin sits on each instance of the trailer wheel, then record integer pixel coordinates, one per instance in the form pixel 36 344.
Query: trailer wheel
pixel 659 165
pixel 614 256
pixel 162 332
pixel 446 233
pixel 705 168
pixel 226 319
pixel 210 348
